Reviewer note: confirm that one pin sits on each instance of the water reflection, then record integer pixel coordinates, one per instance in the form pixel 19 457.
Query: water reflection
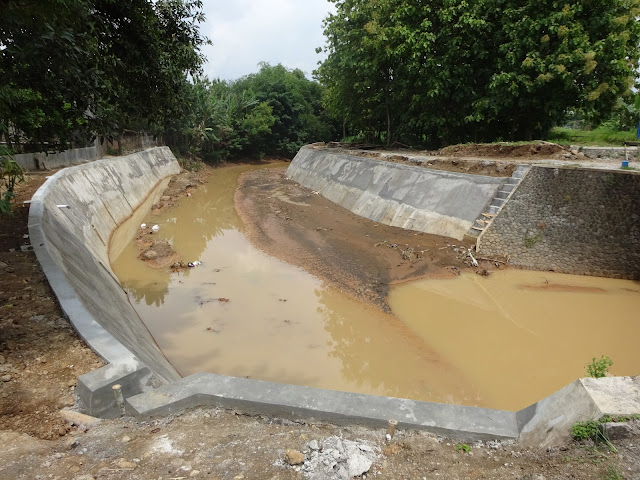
pixel 522 335
pixel 280 323
pixel 502 342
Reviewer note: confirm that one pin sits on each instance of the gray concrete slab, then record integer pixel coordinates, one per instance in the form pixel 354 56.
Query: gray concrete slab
pixel 292 401
pixel 72 247
pixel 406 196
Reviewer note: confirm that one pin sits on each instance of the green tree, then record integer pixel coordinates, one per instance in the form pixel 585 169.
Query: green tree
pixel 452 70
pixel 296 104
pixel 221 121
pixel 72 69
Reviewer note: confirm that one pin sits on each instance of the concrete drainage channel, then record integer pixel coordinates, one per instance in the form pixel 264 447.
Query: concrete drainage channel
pixel 71 245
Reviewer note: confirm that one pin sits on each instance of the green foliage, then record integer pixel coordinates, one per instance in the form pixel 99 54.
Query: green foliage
pixel 296 105
pixel 601 136
pixel 463 447
pixel 598 368
pixel 10 175
pixel 585 430
pixel 612 473
pixel 73 69
pixel 531 240
pixel 453 71
pixel 593 430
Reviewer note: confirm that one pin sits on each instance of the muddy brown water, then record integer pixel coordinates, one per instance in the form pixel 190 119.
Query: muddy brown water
pixel 502 342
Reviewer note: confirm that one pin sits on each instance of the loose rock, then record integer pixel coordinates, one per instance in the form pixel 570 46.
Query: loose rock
pixel 617 431
pixel 294 457
pixel 150 254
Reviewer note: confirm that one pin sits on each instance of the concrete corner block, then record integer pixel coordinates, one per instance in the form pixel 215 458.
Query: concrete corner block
pixel 614 395
pixel 549 421
pixel 95 389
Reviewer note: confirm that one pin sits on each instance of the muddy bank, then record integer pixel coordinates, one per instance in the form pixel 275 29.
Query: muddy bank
pixel 360 257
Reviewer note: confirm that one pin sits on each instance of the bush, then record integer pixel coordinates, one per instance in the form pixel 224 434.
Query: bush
pixel 599 368
pixel 10 174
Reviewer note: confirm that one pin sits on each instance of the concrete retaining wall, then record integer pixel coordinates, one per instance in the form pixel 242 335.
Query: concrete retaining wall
pixel 411 197
pixel 613 153
pixel 577 221
pixel 71 244
pixel 43 161
pixel 71 220
pixel 128 142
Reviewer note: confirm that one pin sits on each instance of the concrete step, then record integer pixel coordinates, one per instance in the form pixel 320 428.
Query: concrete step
pixel 481 223
pixel 508 187
pixel 493 209
pixel 497 202
pixel 502 194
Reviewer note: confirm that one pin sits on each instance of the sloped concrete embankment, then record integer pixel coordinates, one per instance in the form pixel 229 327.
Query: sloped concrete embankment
pixel 411 197
pixel 71 220
pixel 570 220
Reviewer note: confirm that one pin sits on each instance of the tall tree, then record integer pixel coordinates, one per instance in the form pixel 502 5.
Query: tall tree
pixel 296 104
pixel 70 69
pixel 452 70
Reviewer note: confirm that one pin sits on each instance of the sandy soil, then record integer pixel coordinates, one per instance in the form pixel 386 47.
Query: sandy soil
pixel 41 358
pixel 359 256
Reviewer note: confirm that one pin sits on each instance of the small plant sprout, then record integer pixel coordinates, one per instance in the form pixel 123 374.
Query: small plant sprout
pixel 463 447
pixel 599 368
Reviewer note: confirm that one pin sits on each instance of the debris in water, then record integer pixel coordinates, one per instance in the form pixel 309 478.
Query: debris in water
pixel 143 226
pixel 223 300
pixel 62 206
pixel 155 228
pixel 195 263
pixel 474 262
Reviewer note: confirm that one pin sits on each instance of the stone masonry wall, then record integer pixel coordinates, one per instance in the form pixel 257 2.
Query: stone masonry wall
pixel 572 221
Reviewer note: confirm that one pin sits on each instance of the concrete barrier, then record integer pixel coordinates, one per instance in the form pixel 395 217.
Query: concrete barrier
pixel 71 220
pixel 411 197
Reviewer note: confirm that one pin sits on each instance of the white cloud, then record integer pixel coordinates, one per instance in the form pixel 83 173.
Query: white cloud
pixel 246 32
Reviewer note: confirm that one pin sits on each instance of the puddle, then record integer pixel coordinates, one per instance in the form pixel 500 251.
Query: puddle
pixel 503 341
pixel 522 335
pixel 280 323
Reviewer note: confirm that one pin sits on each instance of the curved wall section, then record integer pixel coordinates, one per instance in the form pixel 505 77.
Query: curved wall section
pixel 71 220
pixel 411 197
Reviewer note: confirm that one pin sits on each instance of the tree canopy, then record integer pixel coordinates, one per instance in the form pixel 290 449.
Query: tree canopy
pixel 71 69
pixel 272 112
pixel 447 71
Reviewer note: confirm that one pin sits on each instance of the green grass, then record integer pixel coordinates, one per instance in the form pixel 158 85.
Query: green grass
pixel 601 136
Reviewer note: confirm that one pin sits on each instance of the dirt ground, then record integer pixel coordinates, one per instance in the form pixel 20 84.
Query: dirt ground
pixel 41 357
pixel 357 255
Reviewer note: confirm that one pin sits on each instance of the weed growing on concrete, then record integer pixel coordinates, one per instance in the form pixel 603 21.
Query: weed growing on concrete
pixel 530 241
pixel 599 368
pixel 463 447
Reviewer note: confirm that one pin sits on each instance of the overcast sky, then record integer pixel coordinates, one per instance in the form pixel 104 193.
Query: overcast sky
pixel 246 32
